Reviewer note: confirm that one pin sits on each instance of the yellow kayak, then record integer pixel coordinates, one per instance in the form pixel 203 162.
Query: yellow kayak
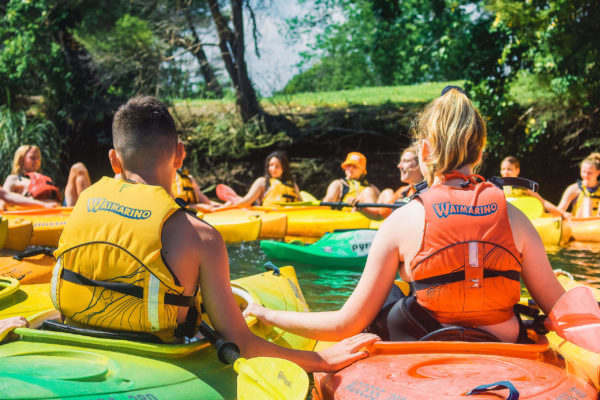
pixel 47 225
pixel 585 229
pixel 552 229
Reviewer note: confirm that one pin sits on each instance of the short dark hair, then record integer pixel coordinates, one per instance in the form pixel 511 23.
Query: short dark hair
pixel 143 130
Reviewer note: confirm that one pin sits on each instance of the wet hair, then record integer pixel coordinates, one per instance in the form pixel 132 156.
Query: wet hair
pixel 455 130
pixel 19 158
pixel 143 131
pixel 512 160
pixel 594 159
pixel 286 175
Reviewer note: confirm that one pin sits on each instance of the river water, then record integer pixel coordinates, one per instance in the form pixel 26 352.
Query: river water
pixel 328 288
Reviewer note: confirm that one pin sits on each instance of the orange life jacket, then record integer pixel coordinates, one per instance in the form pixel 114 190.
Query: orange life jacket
pixel 467 271
pixel 42 187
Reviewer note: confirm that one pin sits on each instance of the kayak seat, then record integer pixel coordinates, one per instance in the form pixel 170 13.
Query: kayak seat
pixel 459 333
pixel 55 326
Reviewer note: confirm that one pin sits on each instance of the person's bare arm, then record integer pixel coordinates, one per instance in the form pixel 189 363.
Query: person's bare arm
pixel 256 190
pixel 568 196
pixel 370 195
pixel 11 184
pixel 548 206
pixel 334 191
pixel 374 285
pixel 15 198
pixel 536 271
pixel 203 252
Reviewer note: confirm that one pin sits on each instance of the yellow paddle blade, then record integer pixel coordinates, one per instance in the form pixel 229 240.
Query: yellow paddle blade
pixel 270 378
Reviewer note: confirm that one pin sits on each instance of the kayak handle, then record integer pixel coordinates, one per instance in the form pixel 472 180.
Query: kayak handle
pixel 34 251
pixel 269 266
pixel 227 352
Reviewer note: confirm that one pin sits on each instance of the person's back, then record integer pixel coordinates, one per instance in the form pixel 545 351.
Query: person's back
pixel 131 259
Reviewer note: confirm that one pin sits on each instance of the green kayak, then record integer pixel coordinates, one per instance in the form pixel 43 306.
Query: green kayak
pixel 45 364
pixel 348 248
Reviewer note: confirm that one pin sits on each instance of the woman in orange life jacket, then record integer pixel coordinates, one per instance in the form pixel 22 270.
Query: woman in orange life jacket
pixel 410 173
pixel 584 195
pixel 277 185
pixel 354 187
pixel 459 244
pixel 510 167
pixel 25 178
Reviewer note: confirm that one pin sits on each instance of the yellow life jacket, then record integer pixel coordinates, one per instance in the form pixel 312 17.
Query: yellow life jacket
pixel 587 202
pixel 351 188
pixel 183 187
pixel 513 191
pixel 110 273
pixel 279 192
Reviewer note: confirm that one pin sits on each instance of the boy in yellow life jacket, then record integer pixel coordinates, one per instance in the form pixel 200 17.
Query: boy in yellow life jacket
pixel 131 259
pixel 186 188
pixel 354 188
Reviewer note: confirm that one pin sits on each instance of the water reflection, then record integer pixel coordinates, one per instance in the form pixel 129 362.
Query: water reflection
pixel 328 288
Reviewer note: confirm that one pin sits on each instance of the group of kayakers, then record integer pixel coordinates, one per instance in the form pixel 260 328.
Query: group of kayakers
pixel 132 258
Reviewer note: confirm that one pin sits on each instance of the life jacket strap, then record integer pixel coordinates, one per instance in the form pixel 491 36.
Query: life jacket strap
pixel 125 288
pixel 459 276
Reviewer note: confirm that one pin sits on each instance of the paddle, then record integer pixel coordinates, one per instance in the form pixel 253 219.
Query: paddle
pixel 260 377
pixel 340 204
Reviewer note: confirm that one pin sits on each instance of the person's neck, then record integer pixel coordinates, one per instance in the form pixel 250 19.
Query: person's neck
pixel 465 170
pixel 149 177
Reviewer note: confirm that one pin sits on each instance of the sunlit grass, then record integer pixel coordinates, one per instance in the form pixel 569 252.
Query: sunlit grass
pixel 420 93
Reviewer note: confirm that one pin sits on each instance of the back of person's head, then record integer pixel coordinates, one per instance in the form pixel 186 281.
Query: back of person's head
pixel 143 132
pixel 512 160
pixel 19 158
pixel 593 159
pixel 455 130
pixel 286 175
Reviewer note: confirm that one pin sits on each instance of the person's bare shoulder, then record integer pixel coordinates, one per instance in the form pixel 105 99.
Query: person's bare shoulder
pixel 188 233
pixel 405 226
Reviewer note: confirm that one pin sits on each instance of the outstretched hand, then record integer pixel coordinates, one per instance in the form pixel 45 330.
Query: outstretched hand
pixel 9 324
pixel 254 309
pixel 347 351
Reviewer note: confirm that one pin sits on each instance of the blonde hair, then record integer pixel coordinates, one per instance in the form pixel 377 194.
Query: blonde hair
pixel 455 130
pixel 594 159
pixel 19 159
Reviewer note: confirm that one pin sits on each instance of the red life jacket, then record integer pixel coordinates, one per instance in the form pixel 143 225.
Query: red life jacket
pixel 41 187
pixel 467 271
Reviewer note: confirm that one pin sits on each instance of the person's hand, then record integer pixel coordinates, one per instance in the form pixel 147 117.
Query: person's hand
pixel 254 309
pixel 49 204
pixel 347 351
pixel 566 215
pixel 9 324
pixel 2 205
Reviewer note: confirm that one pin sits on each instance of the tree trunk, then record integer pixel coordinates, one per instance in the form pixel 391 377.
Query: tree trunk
pixel 212 83
pixel 232 52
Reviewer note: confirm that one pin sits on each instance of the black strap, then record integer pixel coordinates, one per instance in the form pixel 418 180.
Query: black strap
pixel 188 327
pixel 515 181
pixel 459 276
pixel 125 288
pixel 50 325
pixel 34 251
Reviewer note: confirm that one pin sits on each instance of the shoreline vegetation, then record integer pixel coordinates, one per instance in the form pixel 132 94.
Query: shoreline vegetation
pixel 373 120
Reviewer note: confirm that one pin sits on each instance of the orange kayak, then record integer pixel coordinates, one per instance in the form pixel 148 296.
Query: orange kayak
pixel 449 370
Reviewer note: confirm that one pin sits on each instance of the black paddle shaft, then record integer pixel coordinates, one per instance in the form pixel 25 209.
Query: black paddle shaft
pixel 360 205
pixel 227 352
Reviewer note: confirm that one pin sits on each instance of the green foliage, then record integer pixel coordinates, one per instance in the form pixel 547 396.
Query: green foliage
pixel 129 55
pixel 384 43
pixel 16 130
pixel 227 137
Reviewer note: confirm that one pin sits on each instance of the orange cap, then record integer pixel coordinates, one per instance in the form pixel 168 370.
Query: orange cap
pixel 357 159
